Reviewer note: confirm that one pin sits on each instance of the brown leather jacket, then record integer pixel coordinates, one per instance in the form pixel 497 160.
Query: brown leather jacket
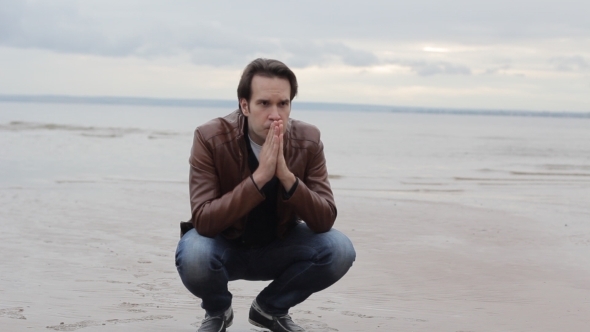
pixel 222 191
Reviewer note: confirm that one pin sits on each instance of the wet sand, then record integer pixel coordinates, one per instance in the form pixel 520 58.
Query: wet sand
pixel 490 233
pixel 421 266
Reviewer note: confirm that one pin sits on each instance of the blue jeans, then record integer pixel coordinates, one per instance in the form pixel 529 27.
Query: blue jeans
pixel 299 265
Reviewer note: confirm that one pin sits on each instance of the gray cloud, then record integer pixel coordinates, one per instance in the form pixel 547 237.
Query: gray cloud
pixel 570 63
pixel 61 29
pixel 303 33
pixel 68 29
pixel 424 68
pixel 496 70
pixel 297 53
pixel 10 13
pixel 303 53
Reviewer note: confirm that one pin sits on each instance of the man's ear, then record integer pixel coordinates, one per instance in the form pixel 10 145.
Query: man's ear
pixel 244 107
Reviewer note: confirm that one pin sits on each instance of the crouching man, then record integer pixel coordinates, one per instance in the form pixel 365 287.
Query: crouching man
pixel 262 207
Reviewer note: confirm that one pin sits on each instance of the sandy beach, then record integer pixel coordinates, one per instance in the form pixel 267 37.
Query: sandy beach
pixel 461 223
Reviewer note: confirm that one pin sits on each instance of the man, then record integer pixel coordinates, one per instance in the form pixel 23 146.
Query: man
pixel 262 207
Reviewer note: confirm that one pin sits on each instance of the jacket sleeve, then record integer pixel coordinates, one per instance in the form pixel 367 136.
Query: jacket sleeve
pixel 313 200
pixel 212 213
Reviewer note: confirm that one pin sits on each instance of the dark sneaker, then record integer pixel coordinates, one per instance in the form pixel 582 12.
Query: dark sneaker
pixel 274 323
pixel 217 323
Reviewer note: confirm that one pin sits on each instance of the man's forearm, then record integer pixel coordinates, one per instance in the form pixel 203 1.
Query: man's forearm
pixel 212 215
pixel 315 206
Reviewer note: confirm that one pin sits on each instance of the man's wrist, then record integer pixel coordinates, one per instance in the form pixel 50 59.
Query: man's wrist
pixel 288 181
pixel 288 193
pixel 259 180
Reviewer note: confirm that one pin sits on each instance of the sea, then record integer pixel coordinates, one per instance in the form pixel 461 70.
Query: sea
pixel 481 158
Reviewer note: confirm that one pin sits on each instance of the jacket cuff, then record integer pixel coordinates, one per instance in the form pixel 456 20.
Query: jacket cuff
pixel 255 185
pixel 288 194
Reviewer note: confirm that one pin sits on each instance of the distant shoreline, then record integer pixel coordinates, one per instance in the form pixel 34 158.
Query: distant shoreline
pixel 178 102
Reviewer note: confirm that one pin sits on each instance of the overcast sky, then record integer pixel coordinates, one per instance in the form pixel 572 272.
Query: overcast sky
pixel 516 54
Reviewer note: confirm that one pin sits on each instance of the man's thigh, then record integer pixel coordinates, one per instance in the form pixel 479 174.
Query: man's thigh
pixel 301 245
pixel 199 255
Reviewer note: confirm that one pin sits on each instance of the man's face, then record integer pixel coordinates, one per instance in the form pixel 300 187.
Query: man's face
pixel 270 101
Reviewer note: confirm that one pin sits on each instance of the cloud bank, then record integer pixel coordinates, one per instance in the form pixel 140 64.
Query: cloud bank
pixel 457 53
pixel 306 33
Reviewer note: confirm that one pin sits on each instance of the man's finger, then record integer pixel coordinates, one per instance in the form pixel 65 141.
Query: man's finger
pixel 281 139
pixel 276 144
pixel 281 156
pixel 270 133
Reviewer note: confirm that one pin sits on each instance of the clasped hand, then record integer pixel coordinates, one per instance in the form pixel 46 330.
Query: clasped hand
pixel 271 161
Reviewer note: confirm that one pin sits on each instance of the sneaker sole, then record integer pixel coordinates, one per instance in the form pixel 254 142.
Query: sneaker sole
pixel 256 323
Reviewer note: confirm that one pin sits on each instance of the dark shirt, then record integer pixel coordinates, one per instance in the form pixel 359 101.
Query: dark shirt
pixel 261 225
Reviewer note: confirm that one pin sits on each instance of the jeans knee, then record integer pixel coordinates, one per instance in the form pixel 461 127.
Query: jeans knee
pixel 196 259
pixel 341 252
pixel 345 250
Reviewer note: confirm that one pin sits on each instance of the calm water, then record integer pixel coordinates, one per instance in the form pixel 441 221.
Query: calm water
pixel 477 160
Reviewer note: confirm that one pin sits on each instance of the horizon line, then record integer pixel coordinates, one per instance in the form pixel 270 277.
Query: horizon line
pixel 325 106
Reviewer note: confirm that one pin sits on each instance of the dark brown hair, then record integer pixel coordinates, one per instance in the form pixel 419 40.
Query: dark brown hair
pixel 267 68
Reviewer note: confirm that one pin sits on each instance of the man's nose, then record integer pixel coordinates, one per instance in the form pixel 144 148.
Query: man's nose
pixel 274 113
